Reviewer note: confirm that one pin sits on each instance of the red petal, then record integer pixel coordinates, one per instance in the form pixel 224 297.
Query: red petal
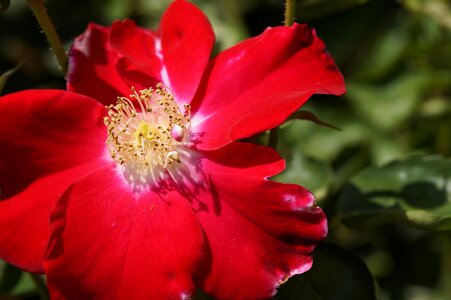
pixel 24 219
pixel 46 131
pixel 109 243
pixel 186 43
pixel 92 67
pixel 48 139
pixel 259 232
pixel 134 76
pixel 257 84
pixel 137 44
pixel 139 65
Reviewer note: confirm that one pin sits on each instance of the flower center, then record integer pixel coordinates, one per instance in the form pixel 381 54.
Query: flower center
pixel 146 131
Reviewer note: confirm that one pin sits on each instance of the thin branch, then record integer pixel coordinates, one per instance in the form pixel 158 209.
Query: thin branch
pixel 40 12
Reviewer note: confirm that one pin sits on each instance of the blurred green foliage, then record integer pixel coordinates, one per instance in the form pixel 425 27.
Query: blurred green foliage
pixel 396 58
pixel 415 191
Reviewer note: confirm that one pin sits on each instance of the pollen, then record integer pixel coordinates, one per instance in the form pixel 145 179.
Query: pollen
pixel 146 130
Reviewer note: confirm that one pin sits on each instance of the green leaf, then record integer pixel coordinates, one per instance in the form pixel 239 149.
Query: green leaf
pixel 309 116
pixel 312 174
pixel 386 51
pixel 386 106
pixel 386 147
pixel 415 191
pixel 24 286
pixel 438 10
pixel 336 274
pixel 15 282
pixel 9 277
pixel 321 143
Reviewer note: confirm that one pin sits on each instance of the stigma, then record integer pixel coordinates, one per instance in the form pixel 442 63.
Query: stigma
pixel 146 132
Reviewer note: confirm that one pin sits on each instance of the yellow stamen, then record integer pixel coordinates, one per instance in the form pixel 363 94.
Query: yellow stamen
pixel 141 129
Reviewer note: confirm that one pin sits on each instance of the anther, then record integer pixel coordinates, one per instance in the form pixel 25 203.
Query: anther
pixel 146 133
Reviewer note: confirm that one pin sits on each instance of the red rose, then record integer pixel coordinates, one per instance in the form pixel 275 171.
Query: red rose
pixel 171 201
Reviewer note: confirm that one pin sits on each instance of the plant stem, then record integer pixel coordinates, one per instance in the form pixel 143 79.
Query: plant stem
pixel 40 286
pixel 40 12
pixel 290 7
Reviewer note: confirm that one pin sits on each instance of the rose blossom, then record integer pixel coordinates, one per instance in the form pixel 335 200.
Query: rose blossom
pixel 154 195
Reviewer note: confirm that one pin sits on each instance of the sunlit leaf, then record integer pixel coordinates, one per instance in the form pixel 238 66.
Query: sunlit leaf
pixel 438 10
pixel 336 274
pixel 415 191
